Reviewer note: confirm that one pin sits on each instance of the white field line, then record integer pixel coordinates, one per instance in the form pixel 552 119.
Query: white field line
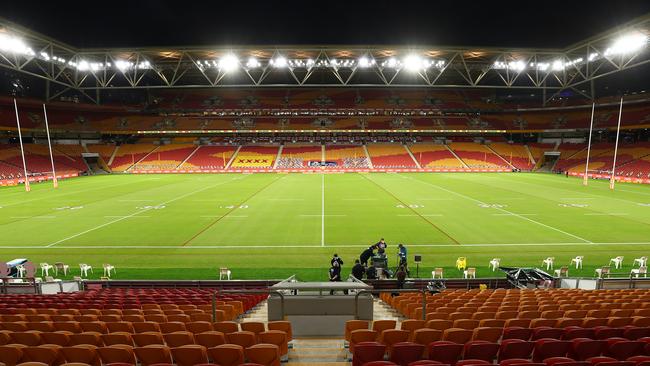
pixel 215 216
pixel 126 217
pixel 321 215
pixel 508 214
pixel 606 214
pixel 503 210
pixel 425 215
pixel 322 210
pixel 33 217
pixel 69 193
pixel 134 214
pixel 176 247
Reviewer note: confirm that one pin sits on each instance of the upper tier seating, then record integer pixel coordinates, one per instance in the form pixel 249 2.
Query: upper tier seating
pixel 390 156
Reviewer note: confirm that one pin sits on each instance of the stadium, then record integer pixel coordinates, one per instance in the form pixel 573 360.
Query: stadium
pixel 326 186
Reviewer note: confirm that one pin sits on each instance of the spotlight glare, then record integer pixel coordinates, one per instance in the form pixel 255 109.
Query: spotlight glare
pixel 413 63
pixel 627 44
pixel 228 63
pixel 279 62
pixel 252 63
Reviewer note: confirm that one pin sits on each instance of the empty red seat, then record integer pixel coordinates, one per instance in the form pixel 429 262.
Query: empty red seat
pixel 584 348
pixel 547 347
pixel 515 349
pixel 445 352
pixel 365 352
pixel 481 350
pixel 406 352
pixel 517 333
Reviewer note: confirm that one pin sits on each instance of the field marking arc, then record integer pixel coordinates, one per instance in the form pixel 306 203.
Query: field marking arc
pixel 134 214
pixel 503 210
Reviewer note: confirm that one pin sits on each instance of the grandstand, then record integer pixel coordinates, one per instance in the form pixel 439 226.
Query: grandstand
pixel 211 202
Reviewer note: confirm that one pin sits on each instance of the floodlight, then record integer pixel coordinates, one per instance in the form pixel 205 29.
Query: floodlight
pixel 365 62
pixel 392 62
pixel 413 62
pixel 279 62
pixel 252 63
pixel 557 65
pixel 83 65
pixel 228 63
pixel 14 45
pixel 627 44
pixel 517 65
pixel 122 65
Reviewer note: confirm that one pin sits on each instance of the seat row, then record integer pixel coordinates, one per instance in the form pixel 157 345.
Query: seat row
pixel 73 327
pixel 123 355
pixel 581 349
pixel 205 336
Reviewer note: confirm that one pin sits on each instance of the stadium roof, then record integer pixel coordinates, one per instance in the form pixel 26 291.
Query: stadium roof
pixel 551 70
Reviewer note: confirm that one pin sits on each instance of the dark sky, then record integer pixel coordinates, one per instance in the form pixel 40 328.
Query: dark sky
pixel 131 23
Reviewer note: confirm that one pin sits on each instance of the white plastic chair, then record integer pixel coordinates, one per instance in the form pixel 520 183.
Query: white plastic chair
pixel 602 272
pixel 84 269
pixel 562 272
pixel 643 261
pixel 548 262
pixel 107 270
pixel 495 263
pixel 45 269
pixel 61 266
pixel 578 261
pixel 224 272
pixel 436 273
pixel 21 270
pixel 639 271
pixel 618 261
pixel 469 273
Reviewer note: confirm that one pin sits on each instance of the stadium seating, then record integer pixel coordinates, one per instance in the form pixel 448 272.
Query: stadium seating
pixel 347 156
pixel 516 154
pixel 435 156
pixel 296 156
pixel 209 158
pixel 129 154
pixel 255 157
pixel 386 156
pixel 167 157
pixel 477 156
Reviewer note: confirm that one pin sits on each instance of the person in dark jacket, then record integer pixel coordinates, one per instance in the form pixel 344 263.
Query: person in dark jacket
pixel 401 277
pixel 358 270
pixel 366 255
pixel 336 261
pixel 335 275
pixel 371 273
pixel 381 246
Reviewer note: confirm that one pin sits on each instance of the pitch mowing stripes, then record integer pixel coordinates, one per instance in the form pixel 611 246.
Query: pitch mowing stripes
pixel 230 211
pixel 175 246
pixel 413 210
pixel 502 210
pixel 135 213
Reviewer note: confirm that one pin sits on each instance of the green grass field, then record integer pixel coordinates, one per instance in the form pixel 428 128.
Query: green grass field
pixel 276 225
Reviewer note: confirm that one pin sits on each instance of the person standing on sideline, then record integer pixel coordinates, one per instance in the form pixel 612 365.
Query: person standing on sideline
pixel 335 275
pixel 336 261
pixel 366 255
pixel 402 254
pixel 358 270
pixel 381 247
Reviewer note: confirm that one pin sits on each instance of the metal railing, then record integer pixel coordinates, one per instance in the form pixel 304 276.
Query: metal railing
pixel 371 292
pixel 258 292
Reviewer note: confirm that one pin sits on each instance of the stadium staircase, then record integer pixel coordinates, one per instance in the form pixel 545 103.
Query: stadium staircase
pixel 456 156
pixel 417 163
pixel 499 155
pixel 233 157
pixel 188 157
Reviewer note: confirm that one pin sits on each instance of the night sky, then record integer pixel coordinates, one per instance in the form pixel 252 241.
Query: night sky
pixel 200 22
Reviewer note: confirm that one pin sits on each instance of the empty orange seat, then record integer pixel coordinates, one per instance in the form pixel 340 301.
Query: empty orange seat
pixel 381 325
pixel 276 337
pixel 439 324
pixel 96 326
pixel 362 335
pixel 120 327
pixel 11 354
pixel 411 325
pixel 264 354
pixel 284 326
pixel 47 355
pixel 28 338
pixel 198 327
pixel 457 335
pixel 210 339
pixel 226 327
pixel 465 323
pixel 153 354
pixel 227 355
pixel 489 334
pixel 85 338
pixel 178 339
pixel 255 327
pixel 147 338
pixel 242 338
pixel 391 336
pixel 117 338
pixel 83 353
pixel 117 354
pixel 171 327
pixel 190 355
pixel 141 327
pixel 58 338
